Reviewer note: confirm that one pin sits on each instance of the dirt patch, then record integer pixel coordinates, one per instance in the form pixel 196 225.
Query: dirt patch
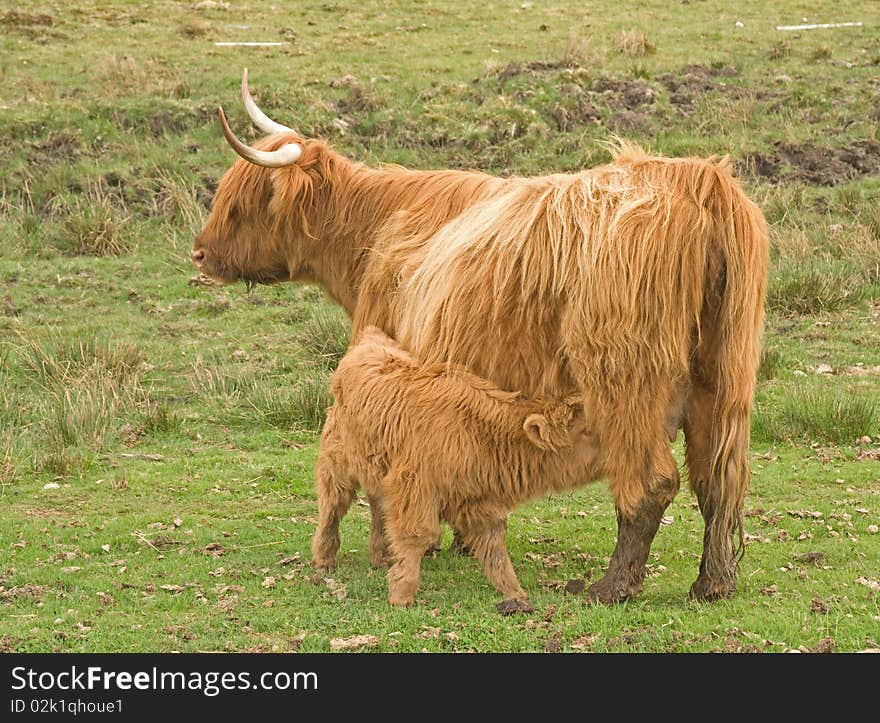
pixel 19 20
pixel 157 123
pixel 28 590
pixel 63 146
pixel 356 101
pixel 582 113
pixel 625 94
pixel 692 81
pixel 513 69
pixel 814 165
pixel 33 26
pixel 164 122
pixel 628 121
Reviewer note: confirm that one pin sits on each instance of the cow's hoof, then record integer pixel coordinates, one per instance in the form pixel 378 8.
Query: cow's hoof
pixel 705 589
pixel 380 561
pixel 433 550
pixel 610 590
pixel 324 566
pixel 514 606
pixel 458 548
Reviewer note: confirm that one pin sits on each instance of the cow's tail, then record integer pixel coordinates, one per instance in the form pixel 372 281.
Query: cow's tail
pixel 723 373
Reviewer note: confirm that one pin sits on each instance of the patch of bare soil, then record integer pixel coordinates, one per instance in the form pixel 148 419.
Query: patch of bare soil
pixel 692 81
pixel 625 94
pixel 18 19
pixel 34 26
pixel 511 70
pixel 814 165
pixel 63 146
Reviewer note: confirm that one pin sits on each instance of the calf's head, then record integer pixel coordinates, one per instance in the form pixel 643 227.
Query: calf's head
pixel 267 205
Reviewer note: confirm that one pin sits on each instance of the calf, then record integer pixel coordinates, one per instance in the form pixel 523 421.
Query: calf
pixel 432 442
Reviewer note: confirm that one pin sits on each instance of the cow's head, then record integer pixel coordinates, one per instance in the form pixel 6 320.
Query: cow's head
pixel 266 206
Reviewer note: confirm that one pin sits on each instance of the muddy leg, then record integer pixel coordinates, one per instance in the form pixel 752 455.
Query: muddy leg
pixel 458 545
pixel 378 538
pixel 635 533
pixel 718 566
pixel 335 496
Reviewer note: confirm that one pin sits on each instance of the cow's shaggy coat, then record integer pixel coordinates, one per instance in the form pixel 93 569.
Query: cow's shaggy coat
pixel 639 285
pixel 431 441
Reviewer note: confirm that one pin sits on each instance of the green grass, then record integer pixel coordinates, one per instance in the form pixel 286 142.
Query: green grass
pixel 158 439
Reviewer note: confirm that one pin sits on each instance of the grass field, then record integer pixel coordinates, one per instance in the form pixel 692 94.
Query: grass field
pixel 157 438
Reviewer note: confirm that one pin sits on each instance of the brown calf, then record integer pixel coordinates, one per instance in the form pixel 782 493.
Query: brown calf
pixel 434 441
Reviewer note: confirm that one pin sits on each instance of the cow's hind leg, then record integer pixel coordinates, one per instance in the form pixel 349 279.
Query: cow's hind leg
pixel 638 519
pixel 722 514
pixel 335 495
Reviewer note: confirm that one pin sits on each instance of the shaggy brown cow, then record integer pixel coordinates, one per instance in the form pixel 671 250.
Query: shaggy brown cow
pixel 639 285
pixel 436 441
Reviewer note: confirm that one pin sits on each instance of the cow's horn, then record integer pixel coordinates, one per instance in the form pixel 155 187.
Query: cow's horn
pixel 260 119
pixel 287 155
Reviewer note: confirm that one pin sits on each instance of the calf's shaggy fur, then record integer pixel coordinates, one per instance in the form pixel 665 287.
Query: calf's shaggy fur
pixel 435 441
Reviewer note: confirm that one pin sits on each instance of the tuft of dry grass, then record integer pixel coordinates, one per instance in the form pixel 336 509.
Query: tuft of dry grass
pixel 177 199
pixel 123 74
pixel 823 52
pixel 634 43
pixel 861 249
pixel 302 407
pixel 790 244
pixel 65 362
pixel 580 51
pixel 807 289
pixel 194 28
pixel 93 224
pixel 324 336
pixel 818 412
pixel 222 384
pixel 779 50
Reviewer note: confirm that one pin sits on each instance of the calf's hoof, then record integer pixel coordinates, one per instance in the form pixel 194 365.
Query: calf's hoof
pixel 611 589
pixel 400 600
pixel 514 606
pixel 708 590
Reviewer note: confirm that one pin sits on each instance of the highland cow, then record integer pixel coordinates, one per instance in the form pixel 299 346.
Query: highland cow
pixel 638 285
pixel 435 441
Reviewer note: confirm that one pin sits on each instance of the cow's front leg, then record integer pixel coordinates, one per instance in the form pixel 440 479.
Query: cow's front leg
pixel 635 533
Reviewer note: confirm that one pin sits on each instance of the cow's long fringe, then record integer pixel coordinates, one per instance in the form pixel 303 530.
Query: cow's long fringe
pixel 611 269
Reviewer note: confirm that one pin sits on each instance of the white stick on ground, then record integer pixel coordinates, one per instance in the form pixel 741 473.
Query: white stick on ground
pixel 819 25
pixel 250 44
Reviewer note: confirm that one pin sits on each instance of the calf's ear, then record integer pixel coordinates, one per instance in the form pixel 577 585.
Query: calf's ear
pixel 539 432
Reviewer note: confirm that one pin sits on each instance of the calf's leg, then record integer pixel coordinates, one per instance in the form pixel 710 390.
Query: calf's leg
pixel 412 525
pixel 486 539
pixel 335 495
pixel 378 540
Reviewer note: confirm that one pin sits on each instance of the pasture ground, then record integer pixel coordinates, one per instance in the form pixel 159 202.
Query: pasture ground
pixel 157 439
